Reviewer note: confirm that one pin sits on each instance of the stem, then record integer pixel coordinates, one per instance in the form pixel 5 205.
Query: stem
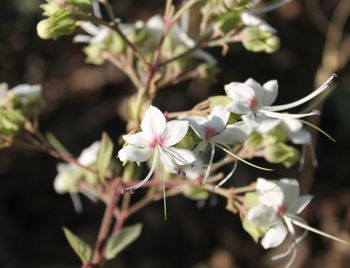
pixel 179 13
pixel 98 254
pixel 114 26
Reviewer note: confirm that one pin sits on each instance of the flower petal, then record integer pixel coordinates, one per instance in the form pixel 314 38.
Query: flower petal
pixel 270 92
pixel 174 132
pixel 267 124
pixel 292 124
pixel 238 107
pixel 262 216
pixel 270 193
pixel 218 118
pixel 153 123
pixel 137 139
pixel 299 205
pixel 239 91
pixel 275 235
pixel 234 133
pixel 300 137
pixel 259 91
pixel 197 124
pixel 135 154
pixel 180 157
pixel 290 188
pixel 89 155
pixel 168 164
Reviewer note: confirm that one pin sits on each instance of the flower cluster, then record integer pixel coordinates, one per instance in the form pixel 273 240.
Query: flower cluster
pixel 73 178
pixel 250 101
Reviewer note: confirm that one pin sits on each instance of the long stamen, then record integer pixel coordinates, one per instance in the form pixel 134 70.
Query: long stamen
pixel 207 172
pixel 293 236
pixel 318 129
pixel 312 95
pixel 290 248
pixel 299 222
pixel 285 115
pixel 228 175
pixel 227 150
pixel 138 185
pixel 270 7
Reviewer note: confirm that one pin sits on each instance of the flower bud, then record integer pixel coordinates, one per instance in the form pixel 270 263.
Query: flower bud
pixel 256 40
pixel 281 153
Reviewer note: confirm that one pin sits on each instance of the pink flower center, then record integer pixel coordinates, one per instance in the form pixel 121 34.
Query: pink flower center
pixel 281 209
pixel 209 133
pixel 157 140
pixel 253 104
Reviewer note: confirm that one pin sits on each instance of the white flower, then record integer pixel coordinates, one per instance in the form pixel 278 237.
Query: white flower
pixel 250 20
pixel 68 178
pixel 65 180
pixel 89 155
pixel 26 93
pixel 279 206
pixel 297 134
pixel 97 34
pixel 155 25
pixel 252 100
pixel 157 139
pixel 214 132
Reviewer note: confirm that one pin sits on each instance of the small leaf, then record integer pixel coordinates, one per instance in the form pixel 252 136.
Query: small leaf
pixel 120 241
pixel 104 155
pixel 51 138
pixel 80 247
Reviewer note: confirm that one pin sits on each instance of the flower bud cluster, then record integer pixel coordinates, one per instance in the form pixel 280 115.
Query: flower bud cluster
pixel 16 106
pixel 61 17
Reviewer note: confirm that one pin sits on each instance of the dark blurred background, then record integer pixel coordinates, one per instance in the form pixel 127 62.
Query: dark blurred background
pixel 84 100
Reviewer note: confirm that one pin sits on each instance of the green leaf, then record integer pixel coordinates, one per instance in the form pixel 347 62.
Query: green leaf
pixel 51 138
pixel 120 241
pixel 80 247
pixel 104 155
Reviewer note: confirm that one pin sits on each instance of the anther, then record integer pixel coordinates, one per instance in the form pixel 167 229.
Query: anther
pixel 316 112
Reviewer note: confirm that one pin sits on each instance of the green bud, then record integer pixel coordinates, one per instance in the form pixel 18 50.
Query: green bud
pixel 11 122
pixel 277 134
pixel 207 72
pixel 226 23
pixel 82 5
pixel 137 106
pixel 195 192
pixel 94 52
pixel 115 44
pixel 190 141
pixel 219 100
pixel 254 231
pixel 237 5
pixel 256 40
pixel 250 200
pixel 281 153
pixel 44 29
pixel 131 172
pixel 26 98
